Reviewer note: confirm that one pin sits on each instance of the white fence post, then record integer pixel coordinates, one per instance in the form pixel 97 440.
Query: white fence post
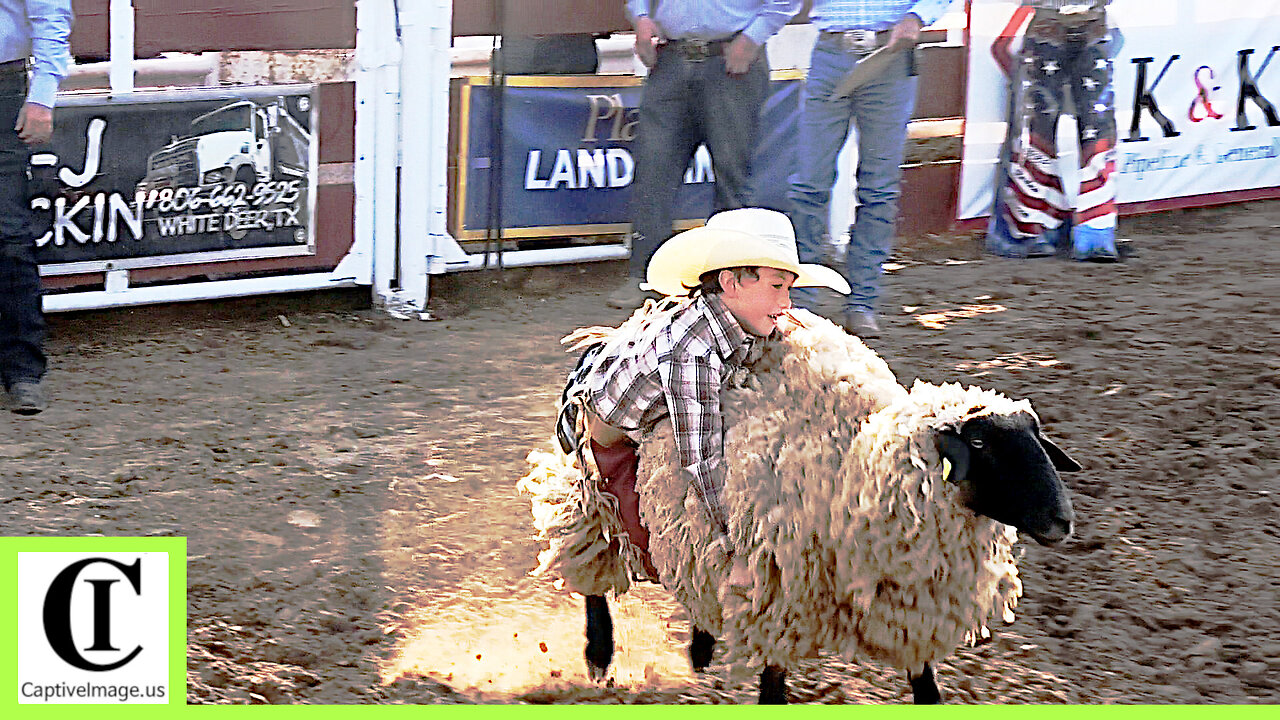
pixel 121 32
pixel 426 28
pixel 377 80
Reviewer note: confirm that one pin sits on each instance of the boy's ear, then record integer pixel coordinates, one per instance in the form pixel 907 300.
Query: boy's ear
pixel 727 280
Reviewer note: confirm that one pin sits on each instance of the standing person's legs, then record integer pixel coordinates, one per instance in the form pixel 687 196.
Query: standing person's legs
pixel 881 111
pixel 666 139
pixel 1032 199
pixel 1094 234
pixel 820 133
pixel 730 113
pixel 22 326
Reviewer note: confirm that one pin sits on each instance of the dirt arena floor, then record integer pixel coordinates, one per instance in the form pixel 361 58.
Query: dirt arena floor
pixel 346 481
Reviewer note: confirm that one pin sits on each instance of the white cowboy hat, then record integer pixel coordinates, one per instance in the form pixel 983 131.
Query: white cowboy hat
pixel 735 238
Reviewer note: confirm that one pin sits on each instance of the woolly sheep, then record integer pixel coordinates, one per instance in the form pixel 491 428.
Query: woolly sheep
pixel 838 515
pixel 588 547
pixel 880 559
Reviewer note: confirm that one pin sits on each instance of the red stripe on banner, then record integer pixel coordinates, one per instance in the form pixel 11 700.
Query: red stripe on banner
pixel 1106 208
pixel 1041 177
pixel 1000 48
pixel 1035 203
pixel 1026 230
pixel 1095 183
pixel 1100 145
pixel 1045 146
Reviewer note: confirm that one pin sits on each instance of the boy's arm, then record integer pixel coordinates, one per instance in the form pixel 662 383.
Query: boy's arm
pixel 692 388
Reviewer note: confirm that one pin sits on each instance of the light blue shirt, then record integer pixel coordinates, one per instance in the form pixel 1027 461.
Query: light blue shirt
pixel 1059 4
pixel 717 19
pixel 38 29
pixel 841 15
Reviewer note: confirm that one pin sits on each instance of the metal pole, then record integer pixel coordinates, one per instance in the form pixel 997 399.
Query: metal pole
pixel 121 29
pixel 497 167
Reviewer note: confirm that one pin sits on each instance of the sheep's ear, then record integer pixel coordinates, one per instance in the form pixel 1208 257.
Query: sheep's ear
pixel 1062 462
pixel 955 452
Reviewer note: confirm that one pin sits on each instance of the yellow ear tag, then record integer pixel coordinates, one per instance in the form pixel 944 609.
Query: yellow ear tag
pixel 946 470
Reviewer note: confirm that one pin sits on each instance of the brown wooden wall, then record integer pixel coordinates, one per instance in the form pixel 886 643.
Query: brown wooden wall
pixel 538 17
pixel 200 25
pixel 547 17
pixel 940 89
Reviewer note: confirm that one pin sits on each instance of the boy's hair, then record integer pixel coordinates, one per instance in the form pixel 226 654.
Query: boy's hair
pixel 709 281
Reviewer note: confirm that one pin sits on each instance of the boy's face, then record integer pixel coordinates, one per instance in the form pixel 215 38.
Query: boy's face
pixel 757 302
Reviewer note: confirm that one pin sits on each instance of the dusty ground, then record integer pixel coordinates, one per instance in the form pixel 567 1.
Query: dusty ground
pixel 346 481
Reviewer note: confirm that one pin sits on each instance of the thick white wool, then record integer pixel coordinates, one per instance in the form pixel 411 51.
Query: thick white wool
pixel 584 541
pixel 586 545
pixel 897 570
pixel 837 513
pixel 798 408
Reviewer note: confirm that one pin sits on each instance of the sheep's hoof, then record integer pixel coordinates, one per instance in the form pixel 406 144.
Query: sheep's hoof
pixel 599 656
pixel 773 686
pixel 924 688
pixel 597 673
pixel 701 647
pixel 599 650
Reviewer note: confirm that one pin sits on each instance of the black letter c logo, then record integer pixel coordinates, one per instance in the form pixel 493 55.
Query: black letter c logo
pixel 57 613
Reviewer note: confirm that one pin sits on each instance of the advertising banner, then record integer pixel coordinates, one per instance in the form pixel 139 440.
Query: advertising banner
pixel 566 156
pixel 1195 98
pixel 175 177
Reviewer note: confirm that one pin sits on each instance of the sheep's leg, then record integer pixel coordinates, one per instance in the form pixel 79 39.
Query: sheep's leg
pixel 599 652
pixel 701 648
pixel 924 689
pixel 773 685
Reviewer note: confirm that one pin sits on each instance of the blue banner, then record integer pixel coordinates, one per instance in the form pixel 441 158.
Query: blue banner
pixel 567 157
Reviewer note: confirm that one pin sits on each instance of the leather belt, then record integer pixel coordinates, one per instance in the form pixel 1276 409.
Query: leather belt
pixel 14 67
pixel 1070 16
pixel 695 50
pixel 859 41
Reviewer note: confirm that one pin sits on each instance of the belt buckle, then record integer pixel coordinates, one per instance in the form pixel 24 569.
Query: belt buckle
pixel 860 41
pixel 695 50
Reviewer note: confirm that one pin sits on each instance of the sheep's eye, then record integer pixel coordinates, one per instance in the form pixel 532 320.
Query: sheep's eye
pixel 976 442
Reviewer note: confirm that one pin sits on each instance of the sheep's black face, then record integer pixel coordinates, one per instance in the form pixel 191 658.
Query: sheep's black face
pixel 1008 472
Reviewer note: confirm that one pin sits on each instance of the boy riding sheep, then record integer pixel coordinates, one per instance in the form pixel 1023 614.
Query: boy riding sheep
pixel 727 287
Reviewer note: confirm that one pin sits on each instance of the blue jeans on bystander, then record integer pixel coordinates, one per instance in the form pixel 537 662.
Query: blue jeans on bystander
pixel 880 111
pixel 22 326
pixel 687 103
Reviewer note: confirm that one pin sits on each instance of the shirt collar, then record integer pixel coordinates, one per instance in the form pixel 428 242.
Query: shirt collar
pixel 732 342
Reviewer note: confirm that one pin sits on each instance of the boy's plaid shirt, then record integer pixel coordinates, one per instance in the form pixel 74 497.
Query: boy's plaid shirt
pixel 677 368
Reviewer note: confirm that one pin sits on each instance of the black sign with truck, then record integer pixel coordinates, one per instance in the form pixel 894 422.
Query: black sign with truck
pixel 158 177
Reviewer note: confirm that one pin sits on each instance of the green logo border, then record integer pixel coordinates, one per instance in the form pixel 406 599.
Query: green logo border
pixel 174 547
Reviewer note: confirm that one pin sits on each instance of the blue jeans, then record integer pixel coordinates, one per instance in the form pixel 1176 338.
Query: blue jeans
pixel 687 103
pixel 880 110
pixel 22 325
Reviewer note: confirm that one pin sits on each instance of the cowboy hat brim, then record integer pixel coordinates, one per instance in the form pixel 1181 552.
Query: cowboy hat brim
pixel 681 260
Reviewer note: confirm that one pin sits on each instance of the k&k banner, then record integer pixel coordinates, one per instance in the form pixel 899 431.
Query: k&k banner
pixel 1195 99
